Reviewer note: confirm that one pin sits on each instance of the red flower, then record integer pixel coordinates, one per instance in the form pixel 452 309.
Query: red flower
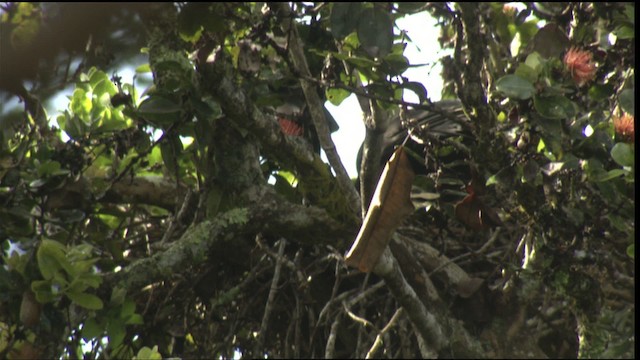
pixel 625 127
pixel 290 127
pixel 509 9
pixel 579 64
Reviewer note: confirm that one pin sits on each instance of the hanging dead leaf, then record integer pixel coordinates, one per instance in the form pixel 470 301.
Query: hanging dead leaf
pixel 391 203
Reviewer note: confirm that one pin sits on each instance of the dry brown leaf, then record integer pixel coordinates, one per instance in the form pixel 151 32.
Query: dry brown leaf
pixel 391 203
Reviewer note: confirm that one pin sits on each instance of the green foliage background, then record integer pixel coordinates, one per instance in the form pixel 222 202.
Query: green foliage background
pixel 154 231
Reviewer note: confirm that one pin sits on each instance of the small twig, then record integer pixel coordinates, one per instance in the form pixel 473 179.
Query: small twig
pixel 378 341
pixel 286 262
pixel 340 298
pixel 357 318
pixel 268 308
pixel 331 341
pixel 177 219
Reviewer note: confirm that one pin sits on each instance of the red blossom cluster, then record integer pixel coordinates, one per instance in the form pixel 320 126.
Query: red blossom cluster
pixel 580 65
pixel 625 127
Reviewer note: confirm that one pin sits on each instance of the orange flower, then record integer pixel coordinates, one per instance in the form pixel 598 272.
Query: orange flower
pixel 509 9
pixel 579 64
pixel 625 127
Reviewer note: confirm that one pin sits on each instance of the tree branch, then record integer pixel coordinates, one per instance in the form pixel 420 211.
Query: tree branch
pixel 315 105
pixel 268 308
pixel 426 324
pixel 269 214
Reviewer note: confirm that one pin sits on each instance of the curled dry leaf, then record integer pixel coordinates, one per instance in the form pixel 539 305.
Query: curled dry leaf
pixel 390 205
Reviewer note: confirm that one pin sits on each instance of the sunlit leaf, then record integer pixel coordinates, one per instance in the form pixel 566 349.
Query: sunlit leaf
pixel 85 300
pixel 147 353
pixel 336 96
pixel 50 256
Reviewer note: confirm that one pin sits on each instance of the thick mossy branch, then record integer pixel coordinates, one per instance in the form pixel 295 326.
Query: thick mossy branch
pixel 270 214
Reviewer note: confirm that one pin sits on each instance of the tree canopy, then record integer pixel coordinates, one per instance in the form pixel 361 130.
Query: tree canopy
pixel 193 216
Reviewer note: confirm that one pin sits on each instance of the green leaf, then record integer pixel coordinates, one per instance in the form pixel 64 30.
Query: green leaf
pixel 375 31
pixel 607 175
pixel 336 96
pixel 22 36
pixel 135 319
pixel 128 309
pixel 284 188
pixel 631 251
pixel 85 300
pixel 599 92
pixel 50 256
pixel 171 147
pixel 554 107
pixel 191 20
pixel 42 289
pixel 72 125
pixel 115 332
pixel 622 154
pixel 625 31
pixel 395 64
pixel 344 17
pixel 91 330
pixel 527 72
pixel 550 41
pixel 80 104
pixel 89 279
pixel 150 354
pixel 417 88
pixel 144 68
pixel 534 61
pixel 627 101
pixel 516 87
pixel 159 111
pixel 48 168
